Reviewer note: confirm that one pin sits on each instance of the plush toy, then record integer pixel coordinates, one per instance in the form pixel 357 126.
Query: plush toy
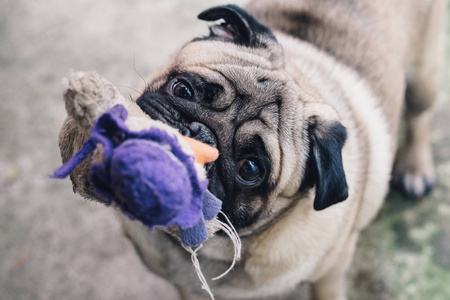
pixel 146 168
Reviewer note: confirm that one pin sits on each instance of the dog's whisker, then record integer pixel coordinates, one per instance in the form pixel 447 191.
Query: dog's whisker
pixel 131 88
pixel 139 74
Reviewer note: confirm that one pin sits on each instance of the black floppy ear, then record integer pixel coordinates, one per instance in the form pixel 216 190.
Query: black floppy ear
pixel 326 170
pixel 239 26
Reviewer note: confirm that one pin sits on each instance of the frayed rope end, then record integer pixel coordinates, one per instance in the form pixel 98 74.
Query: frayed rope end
pixel 229 229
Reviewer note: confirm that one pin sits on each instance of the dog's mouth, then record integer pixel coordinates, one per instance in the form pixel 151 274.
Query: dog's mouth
pixel 159 109
pixel 202 133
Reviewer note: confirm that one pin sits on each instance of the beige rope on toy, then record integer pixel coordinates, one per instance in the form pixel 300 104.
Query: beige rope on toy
pixel 231 232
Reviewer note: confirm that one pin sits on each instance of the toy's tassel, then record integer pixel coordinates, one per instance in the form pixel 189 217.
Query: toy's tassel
pixel 234 237
pixel 69 166
pixel 198 270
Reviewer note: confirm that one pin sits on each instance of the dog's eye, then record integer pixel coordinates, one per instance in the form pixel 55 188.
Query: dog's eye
pixel 249 171
pixel 182 89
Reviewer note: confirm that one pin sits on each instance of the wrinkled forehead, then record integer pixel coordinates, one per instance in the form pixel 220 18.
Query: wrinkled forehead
pixel 223 56
pixel 217 52
pixel 229 63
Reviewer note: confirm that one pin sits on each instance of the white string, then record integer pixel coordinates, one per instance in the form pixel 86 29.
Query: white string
pixel 198 270
pixel 229 229
pixel 234 237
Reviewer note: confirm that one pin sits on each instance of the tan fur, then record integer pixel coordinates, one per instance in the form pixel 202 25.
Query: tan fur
pixel 353 66
pixel 71 139
pixel 382 41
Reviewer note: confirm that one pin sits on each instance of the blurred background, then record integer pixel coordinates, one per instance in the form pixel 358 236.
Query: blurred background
pixel 56 245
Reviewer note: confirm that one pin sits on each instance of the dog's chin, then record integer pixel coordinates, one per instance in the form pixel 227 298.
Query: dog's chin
pixel 280 209
pixel 245 232
pixel 242 231
pixel 255 227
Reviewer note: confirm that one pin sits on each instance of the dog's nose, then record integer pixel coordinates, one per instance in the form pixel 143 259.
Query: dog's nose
pixel 202 133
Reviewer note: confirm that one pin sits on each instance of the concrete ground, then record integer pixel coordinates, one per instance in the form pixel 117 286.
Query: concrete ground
pixel 55 245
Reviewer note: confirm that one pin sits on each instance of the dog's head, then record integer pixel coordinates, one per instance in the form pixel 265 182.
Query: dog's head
pixel 277 143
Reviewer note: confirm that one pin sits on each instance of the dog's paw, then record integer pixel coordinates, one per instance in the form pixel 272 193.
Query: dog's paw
pixel 413 173
pixel 414 185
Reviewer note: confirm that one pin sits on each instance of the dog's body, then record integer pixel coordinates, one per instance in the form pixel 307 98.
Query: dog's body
pixel 311 109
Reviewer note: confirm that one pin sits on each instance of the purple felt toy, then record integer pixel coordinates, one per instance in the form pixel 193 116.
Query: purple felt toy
pixel 145 167
pixel 148 176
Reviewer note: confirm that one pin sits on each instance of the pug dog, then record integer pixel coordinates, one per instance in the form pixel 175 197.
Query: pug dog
pixel 303 100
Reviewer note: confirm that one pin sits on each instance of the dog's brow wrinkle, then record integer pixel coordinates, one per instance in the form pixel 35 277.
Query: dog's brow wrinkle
pixel 240 66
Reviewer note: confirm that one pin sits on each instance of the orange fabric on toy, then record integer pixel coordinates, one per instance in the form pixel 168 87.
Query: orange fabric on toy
pixel 203 153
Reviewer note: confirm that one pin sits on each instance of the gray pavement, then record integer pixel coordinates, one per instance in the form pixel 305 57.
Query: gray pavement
pixel 55 245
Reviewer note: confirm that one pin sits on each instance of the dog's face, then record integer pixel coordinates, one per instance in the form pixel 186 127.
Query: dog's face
pixel 231 90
